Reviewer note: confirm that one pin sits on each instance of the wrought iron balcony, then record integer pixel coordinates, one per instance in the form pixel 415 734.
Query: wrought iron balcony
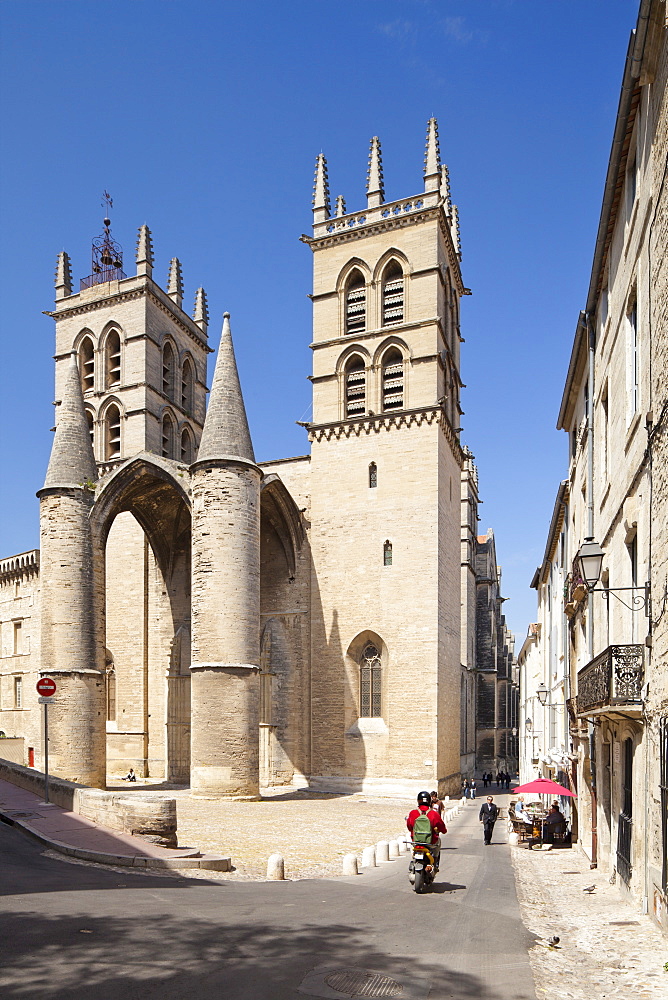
pixel 613 679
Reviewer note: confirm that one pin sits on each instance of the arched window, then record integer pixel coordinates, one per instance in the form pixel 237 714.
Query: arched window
pixel 87 364
pixel 355 302
pixel 355 385
pixel 168 370
pixel 111 695
pixel 370 682
pixel 373 476
pixel 186 447
pixel 112 433
pixel 167 436
pixel 393 380
pixel 91 426
pixel 393 294
pixel 187 382
pixel 387 553
pixel 112 359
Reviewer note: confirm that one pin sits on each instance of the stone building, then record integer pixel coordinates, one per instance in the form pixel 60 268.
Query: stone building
pixel 212 620
pixel 614 409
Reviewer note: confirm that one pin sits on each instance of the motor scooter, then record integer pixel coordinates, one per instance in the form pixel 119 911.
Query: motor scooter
pixel 423 866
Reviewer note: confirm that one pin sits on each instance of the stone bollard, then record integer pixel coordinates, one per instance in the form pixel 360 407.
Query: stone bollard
pixel 276 867
pixel 403 846
pixel 394 848
pixel 382 851
pixel 350 865
pixel 369 857
pixel 513 839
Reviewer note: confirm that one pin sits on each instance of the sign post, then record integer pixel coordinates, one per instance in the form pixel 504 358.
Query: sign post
pixel 46 688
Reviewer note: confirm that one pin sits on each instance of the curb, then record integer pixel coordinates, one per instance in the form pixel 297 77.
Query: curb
pixel 193 859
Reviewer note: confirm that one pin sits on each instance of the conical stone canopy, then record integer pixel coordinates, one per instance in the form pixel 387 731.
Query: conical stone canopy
pixel 72 461
pixel 226 433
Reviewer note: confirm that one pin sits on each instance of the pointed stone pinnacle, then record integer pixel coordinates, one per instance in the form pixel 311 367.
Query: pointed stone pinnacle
pixel 201 311
pixel 375 193
pixel 144 255
pixel 432 157
pixel 175 281
pixel 321 206
pixel 340 206
pixel 63 276
pixel 72 462
pixel 226 433
pixel 454 229
pixel 445 189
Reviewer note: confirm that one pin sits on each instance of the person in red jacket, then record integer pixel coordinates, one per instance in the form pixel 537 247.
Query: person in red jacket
pixel 437 824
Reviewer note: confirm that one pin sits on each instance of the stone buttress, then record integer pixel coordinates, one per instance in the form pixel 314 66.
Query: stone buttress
pixel 225 594
pixel 71 644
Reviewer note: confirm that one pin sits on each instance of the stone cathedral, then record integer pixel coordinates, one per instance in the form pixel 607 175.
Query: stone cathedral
pixel 226 624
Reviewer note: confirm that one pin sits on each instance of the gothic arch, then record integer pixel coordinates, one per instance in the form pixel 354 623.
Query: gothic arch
pixel 278 507
pixel 387 344
pixel 350 350
pixel 111 350
pixel 354 264
pixel 391 255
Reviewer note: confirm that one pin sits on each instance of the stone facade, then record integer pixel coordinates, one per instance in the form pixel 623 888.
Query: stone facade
pixel 614 409
pixel 191 599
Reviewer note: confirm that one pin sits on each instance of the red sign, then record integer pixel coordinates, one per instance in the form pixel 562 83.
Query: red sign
pixel 46 687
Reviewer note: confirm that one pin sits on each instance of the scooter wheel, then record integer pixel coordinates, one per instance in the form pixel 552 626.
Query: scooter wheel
pixel 419 882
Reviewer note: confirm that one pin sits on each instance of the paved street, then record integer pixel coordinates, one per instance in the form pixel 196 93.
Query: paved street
pixel 78 931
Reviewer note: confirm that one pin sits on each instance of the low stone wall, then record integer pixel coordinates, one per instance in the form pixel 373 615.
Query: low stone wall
pixel 149 816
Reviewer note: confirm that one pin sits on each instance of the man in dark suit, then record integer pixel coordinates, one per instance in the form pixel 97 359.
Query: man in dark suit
pixel 488 815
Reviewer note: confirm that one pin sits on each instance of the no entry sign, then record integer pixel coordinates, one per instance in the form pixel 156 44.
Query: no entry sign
pixel 46 687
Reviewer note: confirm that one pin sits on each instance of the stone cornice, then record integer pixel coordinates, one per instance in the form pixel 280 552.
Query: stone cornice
pixel 147 289
pixel 397 329
pixel 356 426
pixel 16 566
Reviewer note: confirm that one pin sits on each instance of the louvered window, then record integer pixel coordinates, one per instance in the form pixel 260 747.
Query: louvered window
pixel 167 436
pixel 187 387
pixel 113 433
pixel 370 683
pixel 393 381
pixel 393 296
pixel 356 304
pixel 91 426
pixel 168 366
pixel 186 447
pixel 87 364
pixel 113 359
pixel 355 388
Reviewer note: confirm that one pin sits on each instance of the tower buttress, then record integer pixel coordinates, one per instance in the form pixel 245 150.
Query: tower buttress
pixel 225 593
pixel 72 648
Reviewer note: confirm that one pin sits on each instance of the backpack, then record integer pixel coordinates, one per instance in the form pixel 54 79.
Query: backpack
pixel 422 831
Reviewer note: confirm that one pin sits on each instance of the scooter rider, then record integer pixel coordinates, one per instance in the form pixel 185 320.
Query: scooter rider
pixel 437 824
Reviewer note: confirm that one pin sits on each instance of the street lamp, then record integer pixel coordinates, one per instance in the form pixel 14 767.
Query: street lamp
pixel 542 694
pixel 589 561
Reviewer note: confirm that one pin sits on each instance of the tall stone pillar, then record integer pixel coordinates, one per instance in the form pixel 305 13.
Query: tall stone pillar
pixel 71 646
pixel 225 594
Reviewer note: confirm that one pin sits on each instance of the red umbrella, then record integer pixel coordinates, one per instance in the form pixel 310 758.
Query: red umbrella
pixel 544 787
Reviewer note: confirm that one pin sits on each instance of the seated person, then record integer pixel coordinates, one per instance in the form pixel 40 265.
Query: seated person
pixel 554 823
pixel 130 776
pixel 520 811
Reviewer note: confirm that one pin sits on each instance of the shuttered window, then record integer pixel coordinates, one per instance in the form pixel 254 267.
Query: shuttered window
pixel 393 381
pixel 355 387
pixel 393 295
pixel 355 303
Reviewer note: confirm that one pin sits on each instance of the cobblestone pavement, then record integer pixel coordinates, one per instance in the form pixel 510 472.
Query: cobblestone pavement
pixel 607 948
pixel 313 832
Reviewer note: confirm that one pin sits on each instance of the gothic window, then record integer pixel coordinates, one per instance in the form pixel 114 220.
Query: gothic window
pixel 90 420
pixel 387 554
pixel 168 370
pixel 373 476
pixel 370 682
pixel 111 695
pixel 167 436
pixel 112 436
pixel 393 294
pixel 355 387
pixel 186 447
pixel 187 382
pixel 355 300
pixel 393 380
pixel 112 359
pixel 87 364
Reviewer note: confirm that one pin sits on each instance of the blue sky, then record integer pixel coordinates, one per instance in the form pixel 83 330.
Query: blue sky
pixel 203 119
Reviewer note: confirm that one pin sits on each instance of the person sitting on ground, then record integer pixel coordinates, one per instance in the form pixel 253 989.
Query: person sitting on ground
pixel 437 824
pixel 553 824
pixel 130 776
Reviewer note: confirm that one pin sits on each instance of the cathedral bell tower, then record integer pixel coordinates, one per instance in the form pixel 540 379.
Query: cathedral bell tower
pixel 385 468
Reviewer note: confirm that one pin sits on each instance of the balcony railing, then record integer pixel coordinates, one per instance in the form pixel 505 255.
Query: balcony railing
pixel 104 274
pixel 614 678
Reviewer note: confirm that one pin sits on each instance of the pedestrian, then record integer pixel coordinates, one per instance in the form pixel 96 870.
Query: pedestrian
pixel 473 788
pixel 498 778
pixel 507 780
pixel 484 779
pixel 489 812
pixel 437 804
